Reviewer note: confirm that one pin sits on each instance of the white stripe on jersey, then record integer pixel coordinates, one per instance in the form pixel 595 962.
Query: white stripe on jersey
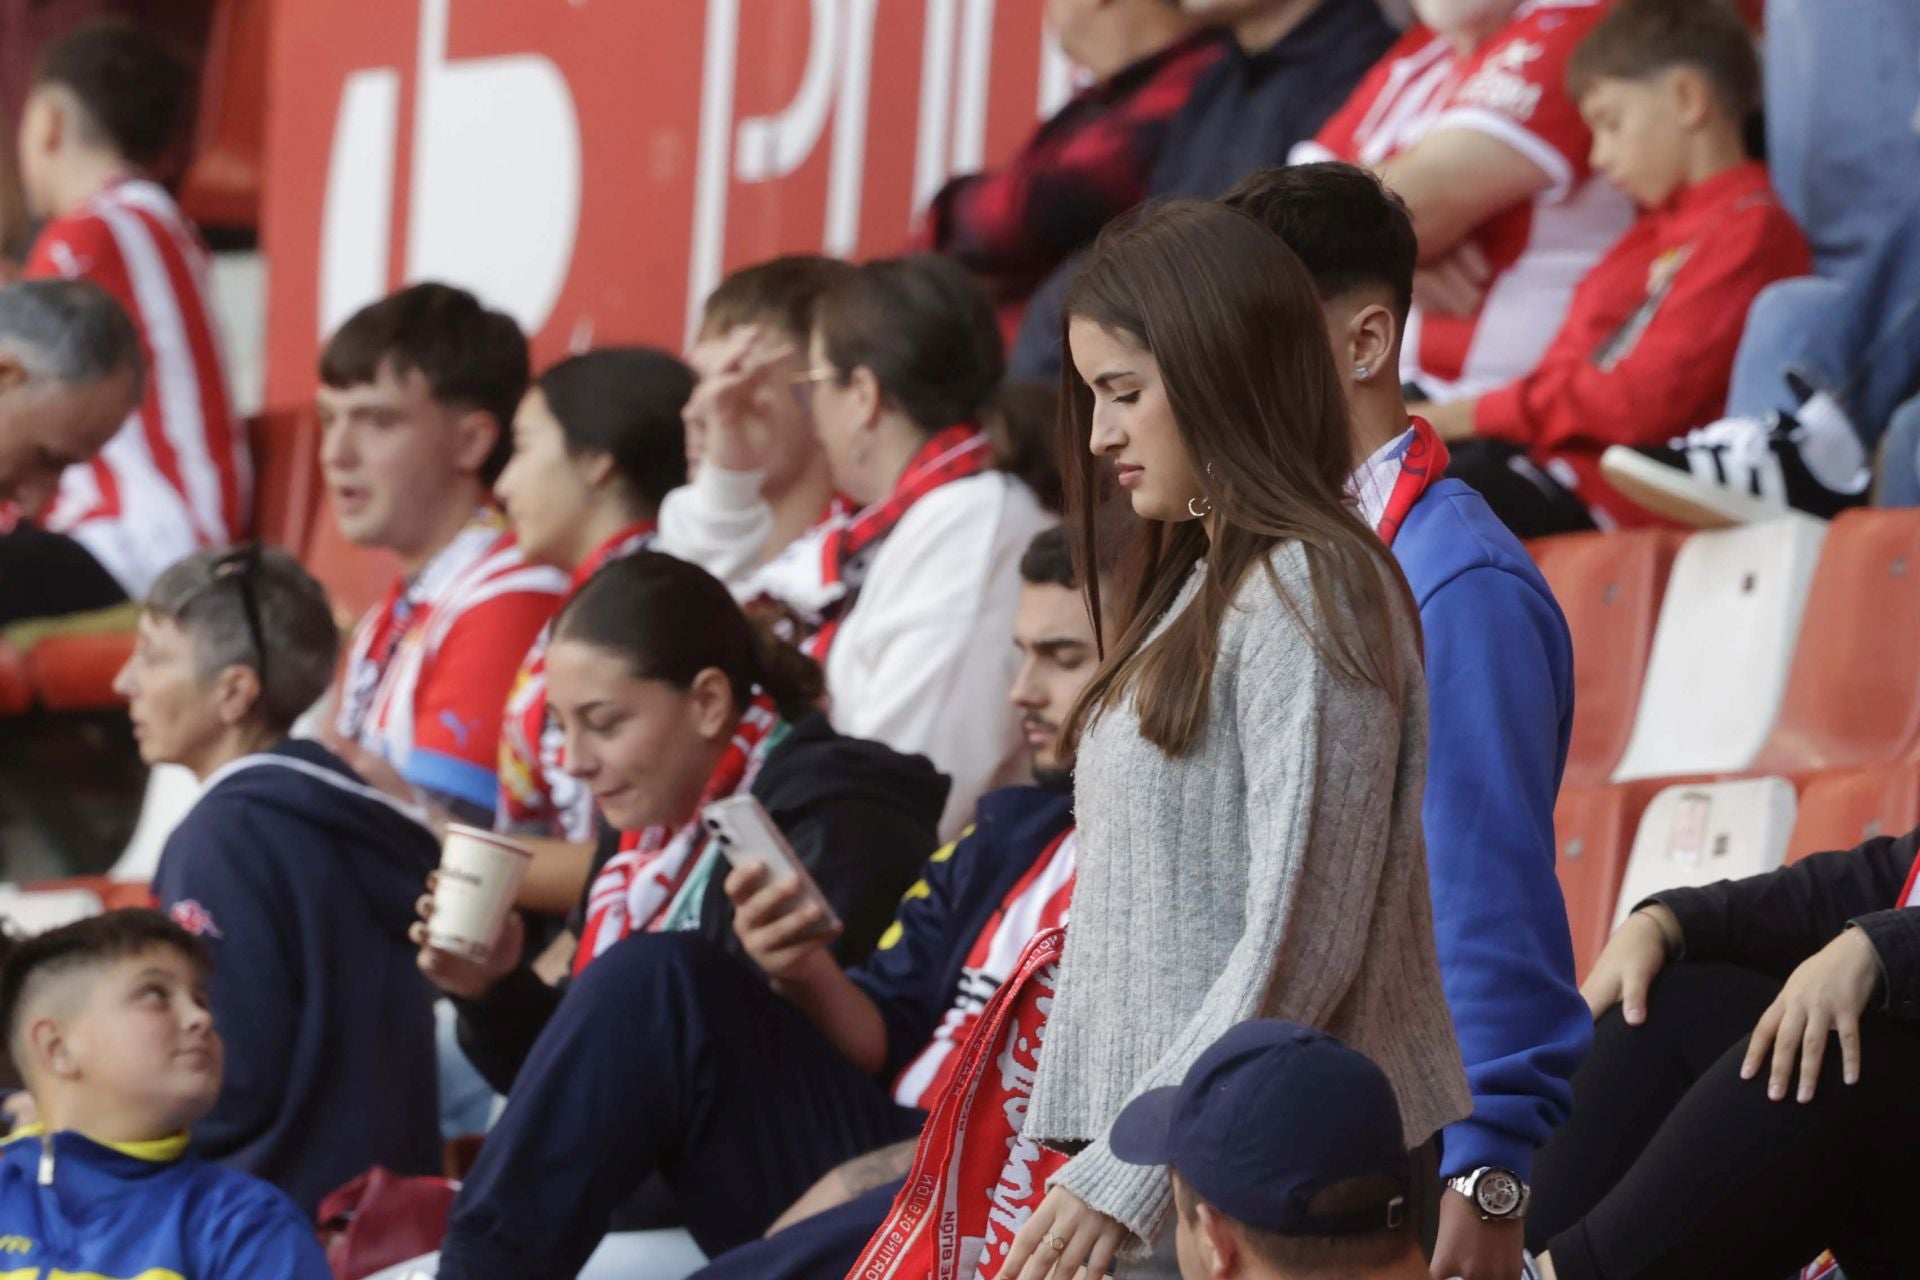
pixel 176 380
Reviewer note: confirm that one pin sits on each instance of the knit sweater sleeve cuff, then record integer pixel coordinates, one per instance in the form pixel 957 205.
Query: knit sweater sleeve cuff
pixel 1499 415
pixel 1139 1197
pixel 728 491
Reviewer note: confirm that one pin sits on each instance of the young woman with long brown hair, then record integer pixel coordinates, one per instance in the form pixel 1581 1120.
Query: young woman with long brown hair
pixel 1251 752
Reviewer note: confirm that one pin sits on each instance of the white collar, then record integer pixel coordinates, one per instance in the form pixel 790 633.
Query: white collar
pixel 1372 483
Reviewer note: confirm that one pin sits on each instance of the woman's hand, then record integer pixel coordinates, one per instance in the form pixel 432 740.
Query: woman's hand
pixel 728 411
pixel 1063 1235
pixel 456 974
pixel 783 928
pixel 1827 993
pixel 1636 952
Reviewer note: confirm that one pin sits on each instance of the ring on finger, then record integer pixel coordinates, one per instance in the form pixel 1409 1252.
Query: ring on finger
pixel 1057 1243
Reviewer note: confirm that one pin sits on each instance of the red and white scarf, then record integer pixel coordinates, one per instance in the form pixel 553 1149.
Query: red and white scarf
pixel 1392 480
pixel 636 888
pixel 975 1180
pixel 1910 896
pixel 534 786
pixel 1038 902
pixel 818 576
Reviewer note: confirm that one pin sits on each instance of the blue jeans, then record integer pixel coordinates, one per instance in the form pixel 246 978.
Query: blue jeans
pixel 1856 338
pixel 1843 82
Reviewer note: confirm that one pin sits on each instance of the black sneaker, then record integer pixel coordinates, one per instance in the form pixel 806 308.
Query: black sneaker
pixel 1735 471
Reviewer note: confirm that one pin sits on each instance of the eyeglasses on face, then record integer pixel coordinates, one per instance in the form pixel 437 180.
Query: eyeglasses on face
pixel 802 384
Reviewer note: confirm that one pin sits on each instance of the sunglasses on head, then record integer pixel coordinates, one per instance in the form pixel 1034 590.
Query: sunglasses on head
pixel 239 566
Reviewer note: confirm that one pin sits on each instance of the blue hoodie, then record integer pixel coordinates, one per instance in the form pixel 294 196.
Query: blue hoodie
pixel 143 1211
pixel 1500 709
pixel 302 880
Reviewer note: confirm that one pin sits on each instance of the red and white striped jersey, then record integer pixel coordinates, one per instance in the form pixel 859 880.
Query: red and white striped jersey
pixel 1038 902
pixel 426 678
pixel 1512 88
pixel 176 477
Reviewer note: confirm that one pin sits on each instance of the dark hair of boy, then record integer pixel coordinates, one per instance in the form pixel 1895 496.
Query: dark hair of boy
pixel 780 291
pixel 89 943
pixel 1642 38
pixel 1313 1257
pixel 470 356
pixel 1048 560
pixel 1340 220
pixel 133 91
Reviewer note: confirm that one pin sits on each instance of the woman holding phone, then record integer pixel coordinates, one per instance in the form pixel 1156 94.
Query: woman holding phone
pixel 1251 751
pixel 669 699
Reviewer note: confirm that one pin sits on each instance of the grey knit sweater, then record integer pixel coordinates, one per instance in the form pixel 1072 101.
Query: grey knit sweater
pixel 1274 870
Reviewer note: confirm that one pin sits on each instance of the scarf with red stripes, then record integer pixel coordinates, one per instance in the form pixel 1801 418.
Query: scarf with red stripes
pixel 637 888
pixel 1418 467
pixel 818 577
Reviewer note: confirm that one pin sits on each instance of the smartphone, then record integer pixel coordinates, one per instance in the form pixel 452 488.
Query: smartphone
pixel 740 827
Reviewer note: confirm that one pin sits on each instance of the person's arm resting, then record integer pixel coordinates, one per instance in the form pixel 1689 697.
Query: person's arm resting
pixel 1456 178
pixel 1773 921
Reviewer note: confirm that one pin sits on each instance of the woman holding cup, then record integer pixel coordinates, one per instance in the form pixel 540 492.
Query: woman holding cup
pixel 669 699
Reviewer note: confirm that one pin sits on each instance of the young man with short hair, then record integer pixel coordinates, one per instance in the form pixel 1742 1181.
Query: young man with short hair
pixel 736 1094
pixel 1647 346
pixel 108 1021
pixel 758 477
pixel 106 105
pixel 70 372
pixel 297 877
pixel 1286 1157
pixel 1499 663
pixel 417 391
pixel 1469 120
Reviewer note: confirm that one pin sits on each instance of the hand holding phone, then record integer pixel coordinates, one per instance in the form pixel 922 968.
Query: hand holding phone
pixel 781 917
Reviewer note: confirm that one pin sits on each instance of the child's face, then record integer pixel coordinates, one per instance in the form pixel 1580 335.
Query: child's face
pixel 1639 135
pixel 144 1039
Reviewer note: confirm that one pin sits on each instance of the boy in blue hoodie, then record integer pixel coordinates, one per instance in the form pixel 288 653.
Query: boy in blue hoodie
pixel 109 1023
pixel 1499 666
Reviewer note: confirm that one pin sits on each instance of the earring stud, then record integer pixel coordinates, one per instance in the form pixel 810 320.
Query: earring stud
pixel 1362 372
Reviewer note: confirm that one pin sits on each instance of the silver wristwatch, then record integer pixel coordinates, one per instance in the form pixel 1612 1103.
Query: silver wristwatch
pixel 1498 1195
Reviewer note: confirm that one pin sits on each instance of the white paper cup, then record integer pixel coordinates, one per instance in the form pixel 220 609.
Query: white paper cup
pixel 480 875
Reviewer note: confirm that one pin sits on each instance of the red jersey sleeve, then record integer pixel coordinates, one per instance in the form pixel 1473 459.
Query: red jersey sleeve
pixel 1515 89
pixel 462 695
pixel 1341 137
pixel 1673 363
pixel 81 247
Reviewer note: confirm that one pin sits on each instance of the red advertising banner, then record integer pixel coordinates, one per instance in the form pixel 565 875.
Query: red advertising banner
pixel 595 166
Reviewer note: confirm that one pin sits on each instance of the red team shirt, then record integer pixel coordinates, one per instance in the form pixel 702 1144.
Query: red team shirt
pixel 427 675
pixel 537 794
pixel 176 477
pixel 1647 349
pixel 1512 88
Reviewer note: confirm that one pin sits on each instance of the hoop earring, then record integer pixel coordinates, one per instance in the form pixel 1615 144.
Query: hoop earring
pixel 1199 508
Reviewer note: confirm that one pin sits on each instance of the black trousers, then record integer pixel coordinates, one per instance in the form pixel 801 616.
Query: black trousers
pixel 1528 500
pixel 1673 1166
pixel 668 1059
pixel 45 575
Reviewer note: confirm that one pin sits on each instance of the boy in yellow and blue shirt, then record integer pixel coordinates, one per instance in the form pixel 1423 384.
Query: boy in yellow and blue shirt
pixel 107 1020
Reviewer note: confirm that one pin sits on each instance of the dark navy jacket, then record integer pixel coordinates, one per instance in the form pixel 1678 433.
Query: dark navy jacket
pixel 141 1211
pixel 302 880
pixel 914 974
pixel 1499 666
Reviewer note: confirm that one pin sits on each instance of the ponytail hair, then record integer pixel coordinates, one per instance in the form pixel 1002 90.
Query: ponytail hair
pixel 671 620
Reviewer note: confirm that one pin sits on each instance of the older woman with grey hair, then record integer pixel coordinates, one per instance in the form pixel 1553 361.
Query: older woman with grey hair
pixel 299 877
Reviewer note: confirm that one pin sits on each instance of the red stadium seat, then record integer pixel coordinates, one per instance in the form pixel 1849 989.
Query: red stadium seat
pixel 1593 836
pixel 1853 696
pixel 286 476
pixel 74 672
pixel 221 187
pixel 1840 809
pixel 1610 586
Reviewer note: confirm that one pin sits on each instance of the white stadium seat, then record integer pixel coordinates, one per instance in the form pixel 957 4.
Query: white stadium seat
pixel 1696 834
pixel 1722 650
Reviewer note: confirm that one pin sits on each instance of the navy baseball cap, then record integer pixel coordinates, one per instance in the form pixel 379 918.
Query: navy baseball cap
pixel 1269 1116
